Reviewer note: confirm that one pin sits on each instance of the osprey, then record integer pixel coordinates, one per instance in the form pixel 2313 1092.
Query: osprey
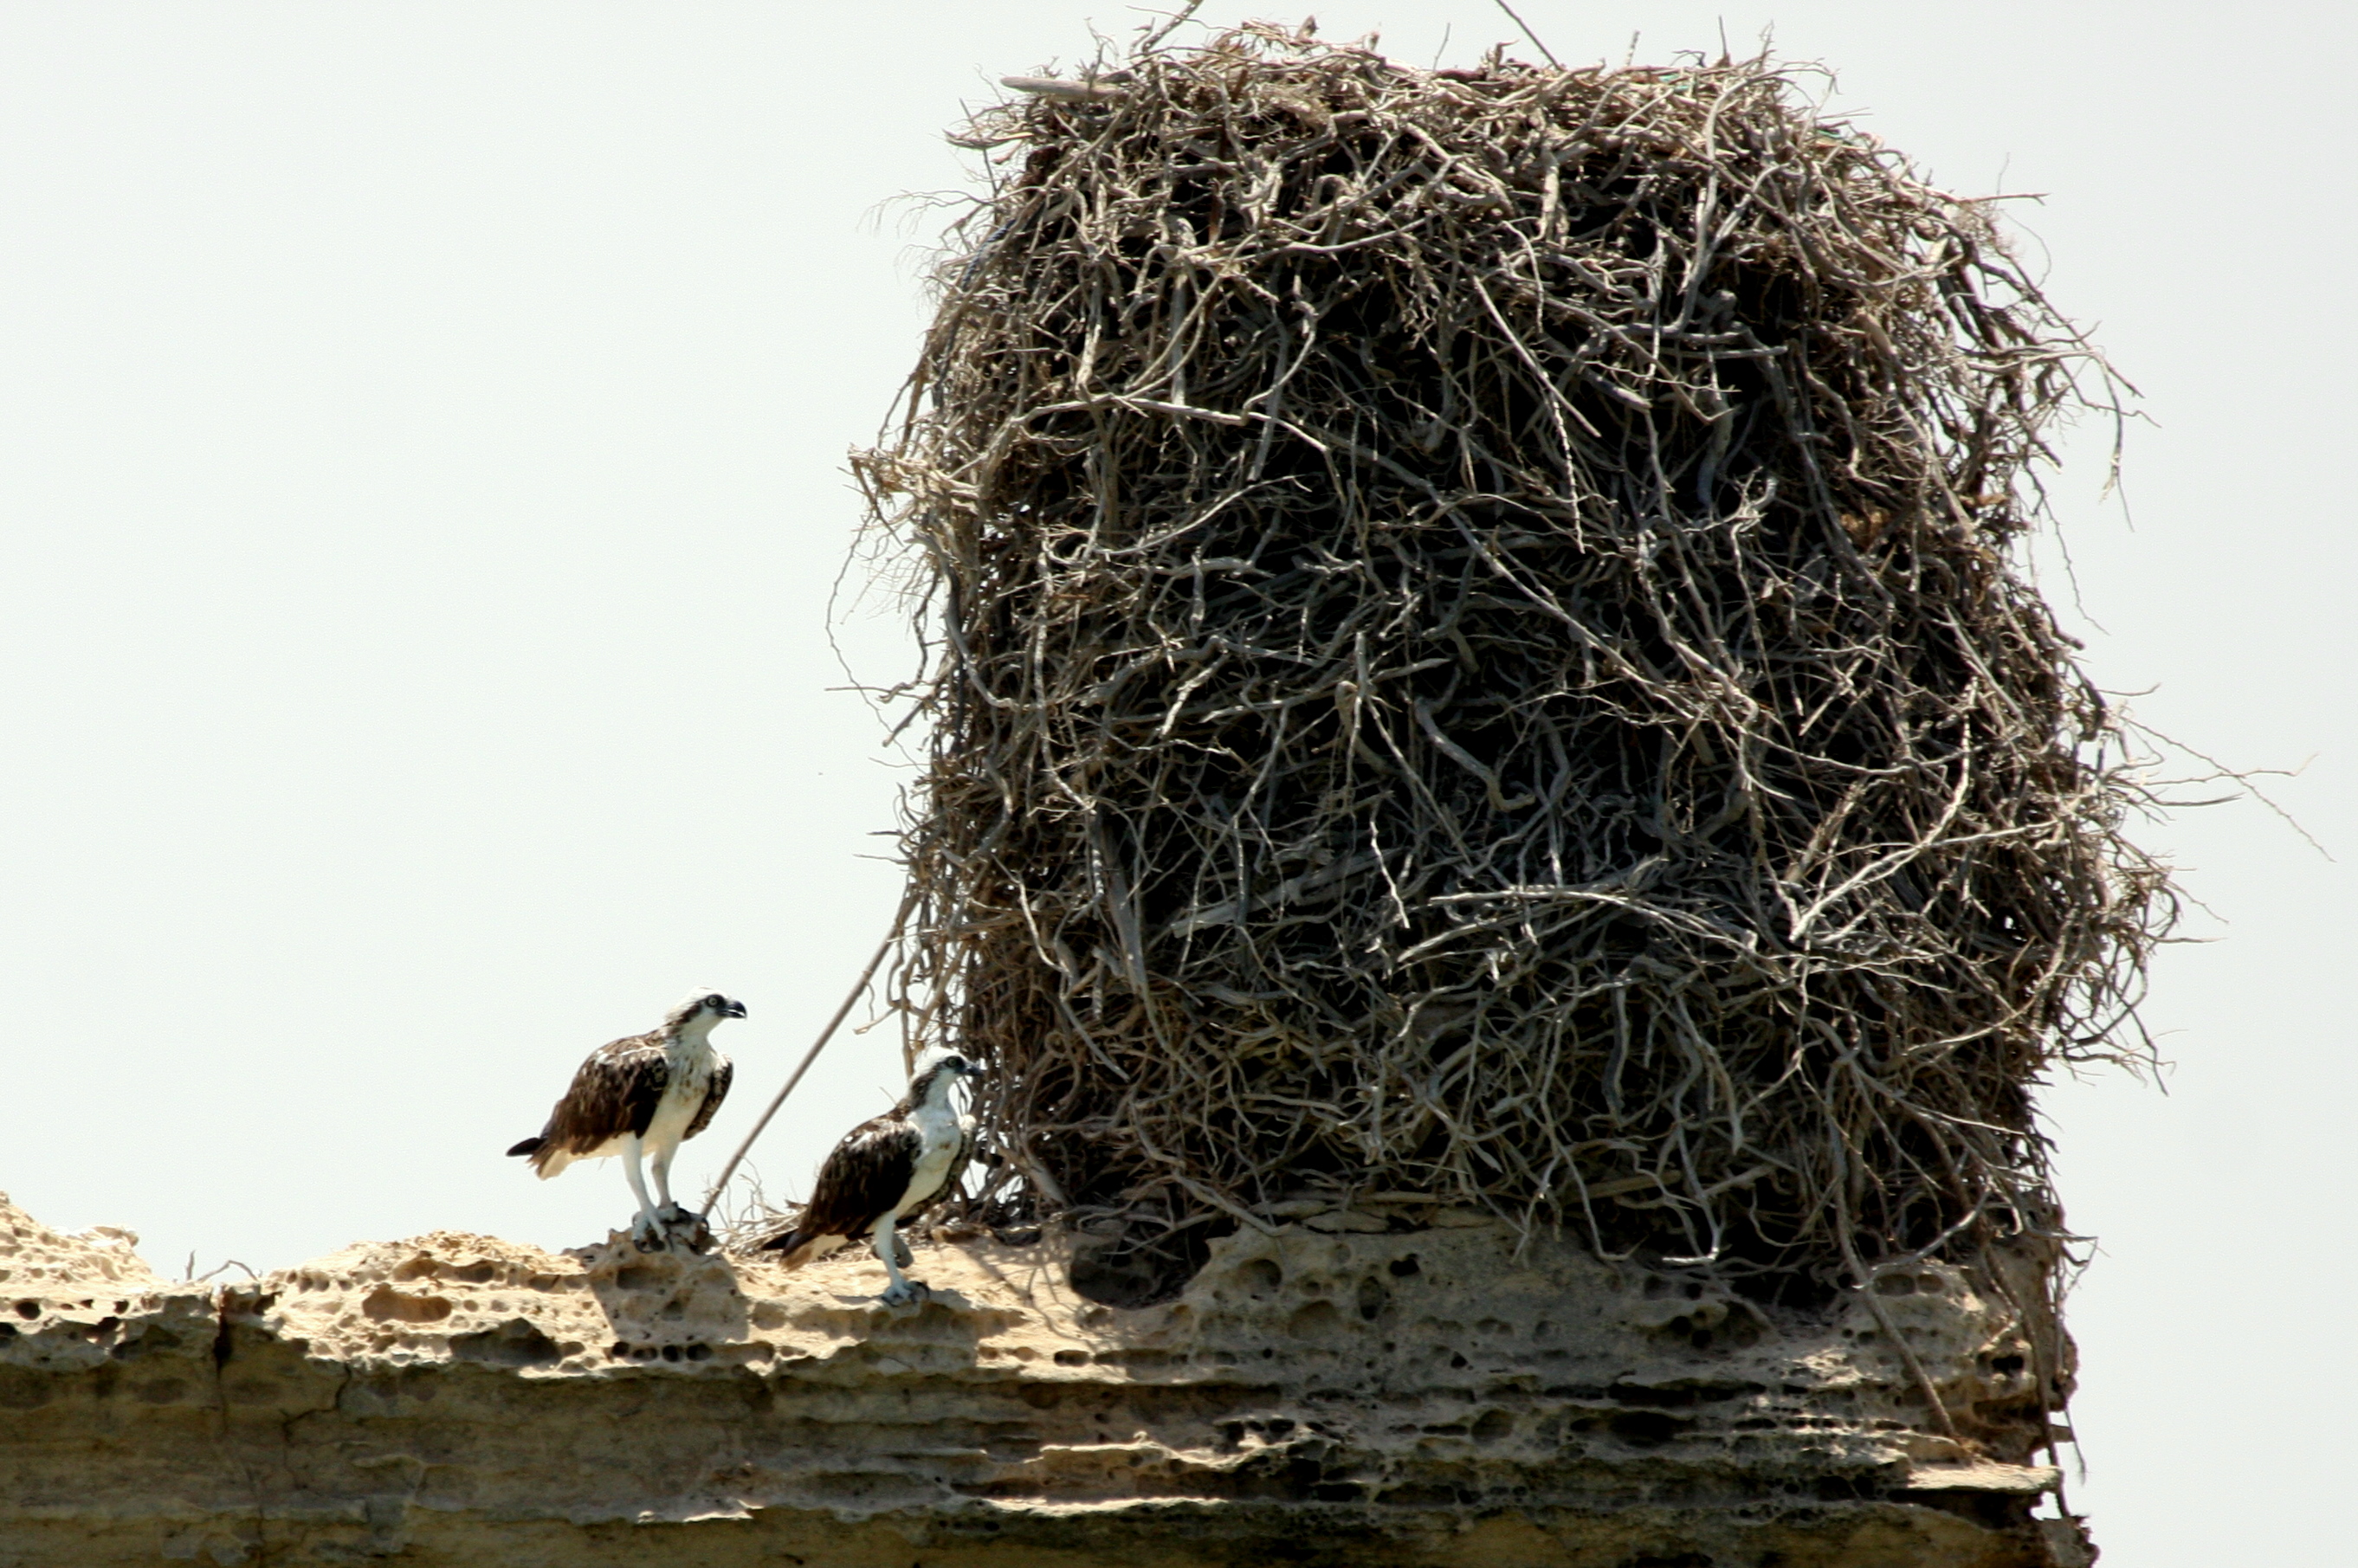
pixel 650 1092
pixel 886 1170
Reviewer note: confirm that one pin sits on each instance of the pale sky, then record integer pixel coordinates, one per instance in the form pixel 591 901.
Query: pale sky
pixel 422 430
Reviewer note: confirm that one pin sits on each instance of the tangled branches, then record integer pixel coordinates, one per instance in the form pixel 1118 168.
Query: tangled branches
pixel 1480 658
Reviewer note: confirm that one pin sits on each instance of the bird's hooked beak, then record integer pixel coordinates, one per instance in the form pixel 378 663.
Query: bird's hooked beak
pixel 732 1009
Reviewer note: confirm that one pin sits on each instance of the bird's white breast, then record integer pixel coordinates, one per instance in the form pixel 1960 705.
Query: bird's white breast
pixel 939 1135
pixel 690 1079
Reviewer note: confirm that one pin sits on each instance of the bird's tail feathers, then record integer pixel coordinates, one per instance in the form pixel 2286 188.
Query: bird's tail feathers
pixel 796 1247
pixel 547 1159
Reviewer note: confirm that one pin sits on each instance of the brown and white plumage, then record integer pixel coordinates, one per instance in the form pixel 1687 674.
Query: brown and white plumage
pixel 887 1170
pixel 648 1092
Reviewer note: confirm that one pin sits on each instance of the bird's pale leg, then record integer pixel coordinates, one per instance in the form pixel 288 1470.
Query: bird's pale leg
pixel 901 1292
pixel 666 1210
pixel 649 1231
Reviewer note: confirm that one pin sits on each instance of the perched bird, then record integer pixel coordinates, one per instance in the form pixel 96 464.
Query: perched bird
pixel 650 1092
pixel 886 1170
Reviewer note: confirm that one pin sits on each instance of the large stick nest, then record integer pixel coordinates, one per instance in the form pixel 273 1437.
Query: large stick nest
pixel 1480 656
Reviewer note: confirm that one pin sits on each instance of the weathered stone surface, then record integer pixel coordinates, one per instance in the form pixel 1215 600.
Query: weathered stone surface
pixel 1341 1393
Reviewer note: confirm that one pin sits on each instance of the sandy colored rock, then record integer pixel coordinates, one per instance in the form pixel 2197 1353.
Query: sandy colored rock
pixel 1371 1395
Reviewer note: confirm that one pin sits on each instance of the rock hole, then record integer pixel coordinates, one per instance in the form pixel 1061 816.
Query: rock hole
pixel 1894 1285
pixel 514 1343
pixel 29 1309
pixel 1261 1279
pixel 1318 1322
pixel 1405 1268
pixel 1373 1299
pixel 636 1279
pixel 2008 1366
pixel 1645 1429
pixel 671 1352
pixel 385 1305
pixel 1141 1266
pixel 1072 1358
pixel 1495 1424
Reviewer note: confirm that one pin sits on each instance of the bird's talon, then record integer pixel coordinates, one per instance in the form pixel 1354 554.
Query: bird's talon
pixel 906 1294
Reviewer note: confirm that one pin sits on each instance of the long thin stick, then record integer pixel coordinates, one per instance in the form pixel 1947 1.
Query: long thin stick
pixel 818 1045
pixel 1509 10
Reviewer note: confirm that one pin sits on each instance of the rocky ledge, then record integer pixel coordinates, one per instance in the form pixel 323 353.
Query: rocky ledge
pixel 1354 1388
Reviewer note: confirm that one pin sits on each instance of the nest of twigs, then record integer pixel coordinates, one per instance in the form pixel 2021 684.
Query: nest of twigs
pixel 1480 656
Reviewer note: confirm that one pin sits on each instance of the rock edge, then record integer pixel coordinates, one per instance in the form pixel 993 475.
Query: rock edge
pixel 1345 1390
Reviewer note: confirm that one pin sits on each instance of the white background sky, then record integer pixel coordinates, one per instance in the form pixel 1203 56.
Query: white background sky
pixel 421 480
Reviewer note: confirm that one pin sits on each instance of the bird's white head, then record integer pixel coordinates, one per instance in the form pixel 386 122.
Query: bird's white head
pixel 933 1079
pixel 699 1010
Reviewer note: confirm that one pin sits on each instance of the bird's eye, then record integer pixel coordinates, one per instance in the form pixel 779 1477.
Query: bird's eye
pixel 716 1001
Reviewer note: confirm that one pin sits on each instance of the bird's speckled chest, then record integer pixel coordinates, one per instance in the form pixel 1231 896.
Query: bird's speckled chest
pixel 689 1065
pixel 939 1136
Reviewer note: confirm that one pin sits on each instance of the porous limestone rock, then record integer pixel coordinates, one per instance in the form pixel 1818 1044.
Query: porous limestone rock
pixel 1349 1389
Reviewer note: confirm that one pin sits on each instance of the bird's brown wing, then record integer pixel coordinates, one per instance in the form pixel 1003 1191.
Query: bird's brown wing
pixel 724 1073
pixel 864 1176
pixel 614 1092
